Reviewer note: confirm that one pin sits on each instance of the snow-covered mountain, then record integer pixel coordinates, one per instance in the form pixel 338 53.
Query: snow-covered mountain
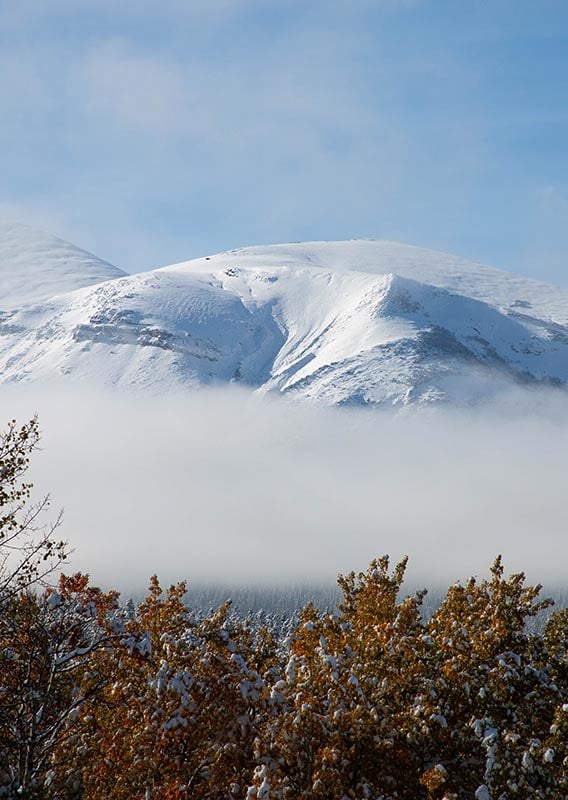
pixel 361 322
pixel 35 266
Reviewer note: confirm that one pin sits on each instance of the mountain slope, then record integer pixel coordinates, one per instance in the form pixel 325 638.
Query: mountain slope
pixel 35 266
pixel 497 287
pixel 274 319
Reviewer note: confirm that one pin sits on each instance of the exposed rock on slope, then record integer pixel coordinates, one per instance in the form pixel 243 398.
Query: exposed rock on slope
pixel 338 323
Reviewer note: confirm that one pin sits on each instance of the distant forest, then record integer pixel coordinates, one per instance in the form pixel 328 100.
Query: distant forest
pixel 371 698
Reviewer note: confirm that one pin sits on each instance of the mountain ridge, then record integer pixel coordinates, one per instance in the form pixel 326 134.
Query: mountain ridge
pixel 35 266
pixel 334 323
pixel 380 255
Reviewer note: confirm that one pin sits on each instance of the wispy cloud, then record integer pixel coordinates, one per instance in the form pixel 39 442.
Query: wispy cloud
pixel 198 126
pixel 211 10
pixel 544 239
pixel 208 9
pixel 140 91
pixel 22 86
pixel 283 122
pixel 273 98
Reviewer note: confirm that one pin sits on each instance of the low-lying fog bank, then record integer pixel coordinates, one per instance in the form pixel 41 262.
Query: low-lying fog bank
pixel 226 488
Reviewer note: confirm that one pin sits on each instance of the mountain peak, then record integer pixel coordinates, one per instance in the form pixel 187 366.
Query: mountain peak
pixel 338 323
pixel 35 265
pixel 497 287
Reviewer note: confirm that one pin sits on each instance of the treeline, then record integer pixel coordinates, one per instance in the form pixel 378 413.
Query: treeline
pixel 104 700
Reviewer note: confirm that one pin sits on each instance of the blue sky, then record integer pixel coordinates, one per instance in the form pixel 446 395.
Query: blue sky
pixel 151 131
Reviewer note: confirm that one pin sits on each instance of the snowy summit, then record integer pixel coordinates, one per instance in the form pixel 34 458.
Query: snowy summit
pixel 339 323
pixel 34 266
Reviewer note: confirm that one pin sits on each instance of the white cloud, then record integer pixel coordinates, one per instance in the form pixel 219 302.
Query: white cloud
pixel 23 86
pixel 293 95
pixel 543 240
pixel 551 200
pixel 219 486
pixel 268 140
pixel 135 89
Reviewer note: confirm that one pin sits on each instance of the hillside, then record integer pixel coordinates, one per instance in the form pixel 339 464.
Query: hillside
pixel 340 323
pixel 35 266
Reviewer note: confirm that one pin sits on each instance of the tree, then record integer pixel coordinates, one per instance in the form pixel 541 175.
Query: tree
pixel 491 683
pixel 342 712
pixel 46 638
pixel 48 671
pixel 370 700
pixel 376 702
pixel 29 551
pixel 180 709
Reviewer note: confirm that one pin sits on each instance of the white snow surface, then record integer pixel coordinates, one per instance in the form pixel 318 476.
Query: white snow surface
pixel 360 322
pixel 35 266
pixel 494 286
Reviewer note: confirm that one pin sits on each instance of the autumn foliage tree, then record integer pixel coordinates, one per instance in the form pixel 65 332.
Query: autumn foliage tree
pixel 371 700
pixel 47 635
pixel 47 654
pixel 29 550
pixel 377 702
pixel 181 705
pixel 340 707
